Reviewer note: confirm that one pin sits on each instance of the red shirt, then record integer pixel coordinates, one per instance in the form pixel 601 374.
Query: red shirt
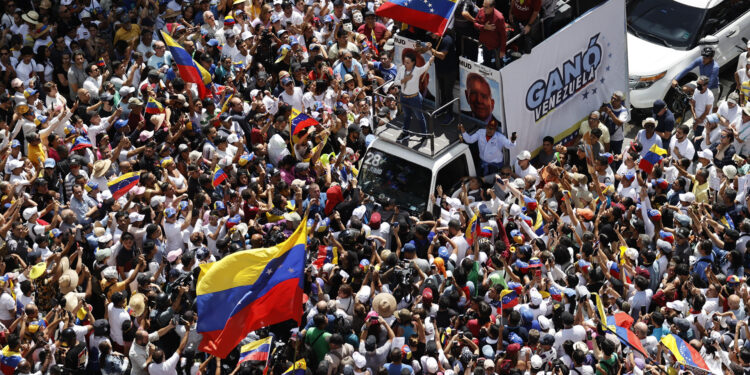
pixel 521 10
pixel 380 31
pixel 492 39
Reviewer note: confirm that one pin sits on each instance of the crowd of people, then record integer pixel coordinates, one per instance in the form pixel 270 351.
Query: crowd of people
pixel 121 176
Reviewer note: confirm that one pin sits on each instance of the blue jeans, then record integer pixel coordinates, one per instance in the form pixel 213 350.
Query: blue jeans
pixel 490 168
pixel 412 108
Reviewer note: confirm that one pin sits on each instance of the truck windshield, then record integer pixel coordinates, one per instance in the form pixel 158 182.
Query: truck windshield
pixel 667 22
pixel 385 176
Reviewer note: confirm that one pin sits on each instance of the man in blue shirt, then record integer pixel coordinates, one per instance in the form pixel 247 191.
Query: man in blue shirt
pixel 706 260
pixel 707 67
pixel 395 366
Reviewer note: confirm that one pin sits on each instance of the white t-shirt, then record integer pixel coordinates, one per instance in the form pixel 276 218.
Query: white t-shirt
pixel 702 100
pixel 462 246
pixel 295 99
pixel 25 71
pixel 116 317
pixel 167 367
pixel 7 304
pixel 686 148
pixel 173 232
pixel 577 333
pixel 731 114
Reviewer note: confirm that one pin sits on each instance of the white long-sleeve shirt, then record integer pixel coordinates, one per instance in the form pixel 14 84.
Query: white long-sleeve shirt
pixel 490 151
pixel 411 87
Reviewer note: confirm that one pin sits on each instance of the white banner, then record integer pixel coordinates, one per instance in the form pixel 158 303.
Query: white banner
pixel 551 90
pixel 428 80
pixel 481 94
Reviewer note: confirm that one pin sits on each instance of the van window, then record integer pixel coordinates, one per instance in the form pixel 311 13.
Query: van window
pixel 386 176
pixel 452 172
pixel 723 14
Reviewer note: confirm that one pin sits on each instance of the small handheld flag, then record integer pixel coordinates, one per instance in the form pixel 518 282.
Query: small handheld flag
pixel 218 176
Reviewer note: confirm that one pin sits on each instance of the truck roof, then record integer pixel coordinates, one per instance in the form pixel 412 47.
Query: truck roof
pixel 444 137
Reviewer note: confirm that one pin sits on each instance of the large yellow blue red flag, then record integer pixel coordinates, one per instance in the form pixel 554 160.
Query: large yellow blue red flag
pixel 432 15
pixel 685 354
pixel 249 290
pixel 189 69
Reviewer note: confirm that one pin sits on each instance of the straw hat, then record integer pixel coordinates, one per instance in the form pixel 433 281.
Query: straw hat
pixel 37 270
pixel 69 279
pixel 71 300
pixel 138 304
pixel 31 17
pixel 384 304
pixel 101 167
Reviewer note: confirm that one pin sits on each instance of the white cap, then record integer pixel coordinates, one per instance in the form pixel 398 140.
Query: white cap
pixel 359 360
pixel 126 90
pixel 536 362
pixel 29 212
pixel 687 197
pixel 544 322
pixel 536 297
pixel 13 164
pixel 156 199
pixel 524 155
pixel 706 154
pixel 678 306
pixel 432 365
pixel 136 217
pixel 631 253
pixel 364 294
pixel 105 238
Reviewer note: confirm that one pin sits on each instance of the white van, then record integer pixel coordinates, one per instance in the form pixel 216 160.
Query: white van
pixel 393 170
pixel 663 39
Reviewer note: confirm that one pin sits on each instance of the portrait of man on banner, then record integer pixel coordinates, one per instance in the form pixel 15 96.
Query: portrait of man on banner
pixel 478 95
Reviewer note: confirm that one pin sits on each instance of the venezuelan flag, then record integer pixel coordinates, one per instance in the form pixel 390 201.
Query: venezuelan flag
pixel 652 157
pixel 300 121
pixel 9 360
pixel 619 324
pixel 81 143
pixel 248 290
pixel 683 352
pixel 121 185
pixel 189 69
pixel 153 106
pixel 101 63
pixel 432 15
pixel 471 229
pixel 326 254
pixel 257 350
pixel 225 106
pixel 509 298
pixel 218 176
pixel 298 368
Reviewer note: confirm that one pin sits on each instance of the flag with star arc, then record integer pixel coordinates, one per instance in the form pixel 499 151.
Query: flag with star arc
pixel 265 288
pixel 430 15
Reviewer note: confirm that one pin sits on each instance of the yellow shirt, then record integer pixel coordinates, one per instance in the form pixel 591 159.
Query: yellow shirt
pixel 127 35
pixel 37 155
pixel 700 191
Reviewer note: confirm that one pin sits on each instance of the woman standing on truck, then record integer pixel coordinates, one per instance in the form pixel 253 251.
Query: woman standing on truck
pixel 408 77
